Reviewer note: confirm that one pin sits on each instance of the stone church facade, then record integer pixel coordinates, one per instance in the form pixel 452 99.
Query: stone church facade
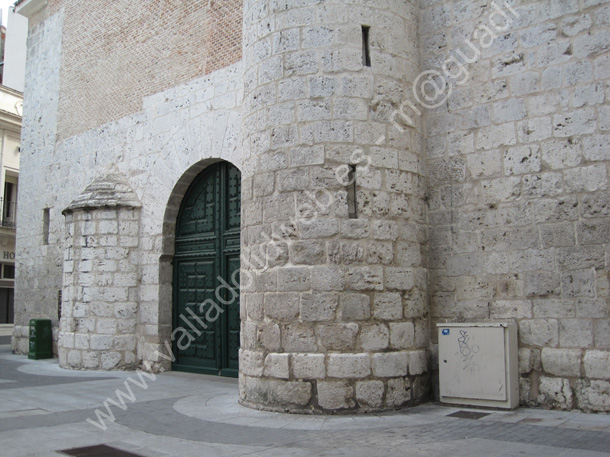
pixel 295 192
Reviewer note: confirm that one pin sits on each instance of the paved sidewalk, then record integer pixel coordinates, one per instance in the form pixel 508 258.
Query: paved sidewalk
pixel 44 409
pixel 6 330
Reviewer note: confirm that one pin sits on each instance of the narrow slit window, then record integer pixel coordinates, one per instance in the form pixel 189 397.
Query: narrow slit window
pixel 352 204
pixel 366 48
pixel 46 219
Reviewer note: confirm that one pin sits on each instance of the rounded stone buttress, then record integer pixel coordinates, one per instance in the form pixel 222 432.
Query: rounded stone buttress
pixel 334 308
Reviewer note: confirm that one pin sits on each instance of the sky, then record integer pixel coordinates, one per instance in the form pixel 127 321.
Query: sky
pixel 4 4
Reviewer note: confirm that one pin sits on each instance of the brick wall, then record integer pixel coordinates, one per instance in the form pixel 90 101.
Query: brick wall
pixel 115 53
pixel 518 185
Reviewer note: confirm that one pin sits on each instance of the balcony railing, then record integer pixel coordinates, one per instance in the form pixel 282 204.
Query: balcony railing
pixel 8 213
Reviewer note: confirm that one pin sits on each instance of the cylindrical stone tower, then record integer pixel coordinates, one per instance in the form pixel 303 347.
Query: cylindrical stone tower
pixel 334 307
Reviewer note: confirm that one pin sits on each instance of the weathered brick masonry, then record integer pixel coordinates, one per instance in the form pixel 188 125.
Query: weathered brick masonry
pixel 491 204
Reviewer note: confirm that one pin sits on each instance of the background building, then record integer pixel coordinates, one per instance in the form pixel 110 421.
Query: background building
pixel 11 108
pixel 168 143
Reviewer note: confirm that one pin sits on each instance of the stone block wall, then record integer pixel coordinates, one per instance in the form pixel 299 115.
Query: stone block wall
pixel 158 150
pixel 501 212
pixel 518 199
pixel 334 316
pixel 38 260
pixel 98 327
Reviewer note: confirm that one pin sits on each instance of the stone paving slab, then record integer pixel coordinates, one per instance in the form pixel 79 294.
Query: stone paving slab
pixel 181 414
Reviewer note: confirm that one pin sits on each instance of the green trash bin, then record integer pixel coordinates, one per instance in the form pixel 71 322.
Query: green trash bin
pixel 41 339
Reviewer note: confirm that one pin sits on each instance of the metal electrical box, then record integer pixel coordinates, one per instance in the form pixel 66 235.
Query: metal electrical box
pixel 478 364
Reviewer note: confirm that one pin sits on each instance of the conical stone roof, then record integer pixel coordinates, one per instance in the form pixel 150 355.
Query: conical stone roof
pixel 109 191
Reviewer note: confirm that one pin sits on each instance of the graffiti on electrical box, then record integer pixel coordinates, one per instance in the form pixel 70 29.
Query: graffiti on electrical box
pixel 467 350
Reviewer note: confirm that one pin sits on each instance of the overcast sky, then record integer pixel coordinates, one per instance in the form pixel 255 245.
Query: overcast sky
pixel 4 4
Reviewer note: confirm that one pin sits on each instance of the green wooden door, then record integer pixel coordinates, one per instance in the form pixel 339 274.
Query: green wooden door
pixel 206 274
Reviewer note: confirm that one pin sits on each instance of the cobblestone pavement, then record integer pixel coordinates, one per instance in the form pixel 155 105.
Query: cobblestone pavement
pixel 44 409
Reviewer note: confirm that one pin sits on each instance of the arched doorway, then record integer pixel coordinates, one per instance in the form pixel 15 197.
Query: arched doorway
pixel 206 274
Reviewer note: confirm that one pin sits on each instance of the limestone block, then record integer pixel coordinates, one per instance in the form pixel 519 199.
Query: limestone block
pixel 529 359
pixel 539 332
pixel 264 183
pixel 542 284
pixel 268 336
pixel 512 109
pixel 390 364
pixel 130 358
pixel 555 392
pixel 579 283
pixel 110 360
pixel 379 252
pixel 576 333
pixel 374 337
pixel 308 252
pixel 418 362
pixel 370 393
pixel 338 337
pixel 81 341
pixel 365 278
pixel 399 392
pixel 125 342
pixel 333 395
pixel 385 230
pixel 248 335
pixel 308 366
pixel 348 365
pixel 314 110
pixel 593 232
pixel 592 395
pixel 251 363
pixel 355 307
pixel 319 228
pixel 322 86
pixel 125 310
pixel 399 278
pixel 446 171
pixel 282 306
pixel 558 235
pixel 387 306
pixel 276 392
pixel 276 366
pixel 522 159
pixel 319 306
pixel 301 63
pixel 294 279
pixel 355 228
pixel 298 338
pixel 66 340
pixel 597 364
pixel 254 306
pixel 602 333
pixel 591 44
pixel 327 278
pixel 345 252
pixel 127 325
pixel 561 362
pixel 495 136
pixel 595 147
pixel 402 335
pixel 74 358
pixel 91 360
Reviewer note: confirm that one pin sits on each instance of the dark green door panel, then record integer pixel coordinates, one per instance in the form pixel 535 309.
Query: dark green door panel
pixel 206 274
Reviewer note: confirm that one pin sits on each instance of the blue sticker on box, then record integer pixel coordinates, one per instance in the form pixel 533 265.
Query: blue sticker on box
pixel 445 331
